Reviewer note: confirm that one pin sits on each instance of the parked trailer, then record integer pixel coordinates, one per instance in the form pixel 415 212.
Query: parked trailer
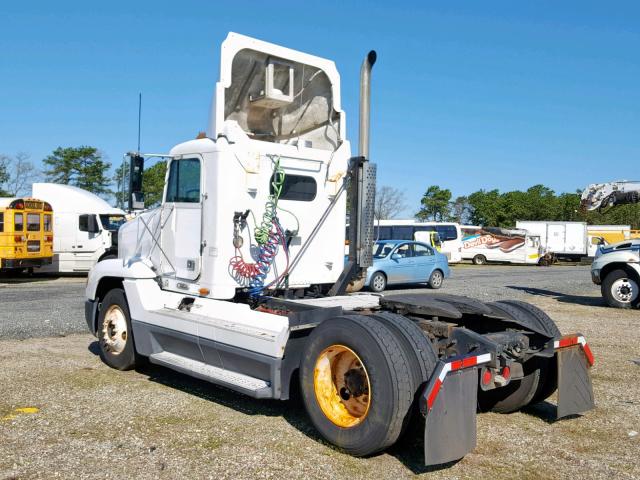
pixel 200 289
pixel 567 240
pixel 85 227
pixel 492 244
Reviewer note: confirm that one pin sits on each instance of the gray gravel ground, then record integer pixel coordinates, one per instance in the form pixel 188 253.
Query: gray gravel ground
pixel 41 306
pixel 94 422
pixel 49 306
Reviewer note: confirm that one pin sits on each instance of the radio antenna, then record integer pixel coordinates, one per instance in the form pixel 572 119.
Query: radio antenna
pixel 139 117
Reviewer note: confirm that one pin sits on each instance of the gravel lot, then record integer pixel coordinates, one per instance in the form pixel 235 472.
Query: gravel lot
pixel 94 422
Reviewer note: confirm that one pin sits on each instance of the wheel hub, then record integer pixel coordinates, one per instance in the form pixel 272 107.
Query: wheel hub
pixel 114 330
pixel 341 385
pixel 625 290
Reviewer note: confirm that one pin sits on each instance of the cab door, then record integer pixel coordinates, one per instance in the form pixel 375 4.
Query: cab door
pixel 88 242
pixel 181 219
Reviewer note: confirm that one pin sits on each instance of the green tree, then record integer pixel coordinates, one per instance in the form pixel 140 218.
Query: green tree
pixel 153 183
pixel 434 204
pixel 80 166
pixel 485 207
pixel 121 180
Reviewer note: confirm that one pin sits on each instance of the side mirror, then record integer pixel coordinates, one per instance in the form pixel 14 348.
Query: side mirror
pixel 137 201
pixel 136 169
pixel 395 256
pixel 89 223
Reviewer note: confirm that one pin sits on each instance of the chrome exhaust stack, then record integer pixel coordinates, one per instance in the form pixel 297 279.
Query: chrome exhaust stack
pixel 365 103
pixel 362 191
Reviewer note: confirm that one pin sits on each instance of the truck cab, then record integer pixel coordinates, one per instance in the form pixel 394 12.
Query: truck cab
pixel 616 268
pixel 85 228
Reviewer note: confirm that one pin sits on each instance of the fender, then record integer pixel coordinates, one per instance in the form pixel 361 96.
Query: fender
pixel 116 268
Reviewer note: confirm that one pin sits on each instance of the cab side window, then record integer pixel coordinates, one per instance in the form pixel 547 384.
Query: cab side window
pixel 83 223
pixel 184 181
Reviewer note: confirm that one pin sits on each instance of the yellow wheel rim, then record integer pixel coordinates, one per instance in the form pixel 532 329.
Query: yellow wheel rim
pixel 342 387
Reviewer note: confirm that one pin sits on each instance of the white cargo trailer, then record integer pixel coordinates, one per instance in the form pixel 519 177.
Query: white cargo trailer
pixel 562 239
pixel 85 227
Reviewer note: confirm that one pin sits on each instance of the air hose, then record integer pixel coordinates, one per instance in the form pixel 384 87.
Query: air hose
pixel 269 236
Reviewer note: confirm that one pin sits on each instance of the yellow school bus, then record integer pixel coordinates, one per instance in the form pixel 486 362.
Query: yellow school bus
pixel 26 233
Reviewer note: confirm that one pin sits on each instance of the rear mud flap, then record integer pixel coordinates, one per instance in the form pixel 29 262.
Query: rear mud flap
pixel 450 425
pixel 575 392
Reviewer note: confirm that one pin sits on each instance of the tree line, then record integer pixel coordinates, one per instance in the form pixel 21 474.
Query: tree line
pixel 86 168
pixel 83 167
pixel 503 209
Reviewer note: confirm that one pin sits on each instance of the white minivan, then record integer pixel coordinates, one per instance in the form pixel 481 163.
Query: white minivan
pixel 85 227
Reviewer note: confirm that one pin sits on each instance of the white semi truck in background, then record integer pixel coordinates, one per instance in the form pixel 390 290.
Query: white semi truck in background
pixel 616 267
pixel 85 227
pixel 239 278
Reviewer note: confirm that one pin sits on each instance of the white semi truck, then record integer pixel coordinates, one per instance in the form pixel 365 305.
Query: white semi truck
pixel 238 278
pixel 616 267
pixel 85 227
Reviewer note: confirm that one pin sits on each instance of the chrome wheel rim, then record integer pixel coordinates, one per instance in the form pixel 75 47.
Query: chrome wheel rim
pixel 624 290
pixel 436 279
pixel 114 330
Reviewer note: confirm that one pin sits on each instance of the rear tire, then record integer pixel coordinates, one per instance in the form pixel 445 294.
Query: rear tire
pixel 515 395
pixel 114 332
pixel 620 290
pixel 378 282
pixel 418 348
pixel 540 379
pixel 436 279
pixel 390 383
pixel 479 260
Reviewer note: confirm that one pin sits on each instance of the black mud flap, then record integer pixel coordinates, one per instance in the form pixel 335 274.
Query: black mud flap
pixel 450 424
pixel 575 392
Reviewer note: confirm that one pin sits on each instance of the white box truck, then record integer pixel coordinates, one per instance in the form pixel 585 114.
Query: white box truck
pixel 567 240
pixel 85 227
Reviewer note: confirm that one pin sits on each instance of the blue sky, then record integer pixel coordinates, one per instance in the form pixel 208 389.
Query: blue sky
pixel 467 94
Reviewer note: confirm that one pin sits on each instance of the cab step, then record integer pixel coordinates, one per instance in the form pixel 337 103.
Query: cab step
pixel 253 387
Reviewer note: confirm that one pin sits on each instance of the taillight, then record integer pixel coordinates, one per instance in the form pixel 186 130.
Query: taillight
pixel 19 238
pixel 48 238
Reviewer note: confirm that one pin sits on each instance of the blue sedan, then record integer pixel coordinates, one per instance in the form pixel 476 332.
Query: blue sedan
pixel 401 261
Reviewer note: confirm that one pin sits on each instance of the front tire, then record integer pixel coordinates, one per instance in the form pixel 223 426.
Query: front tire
pixel 357 384
pixel 378 282
pixel 115 336
pixel 620 290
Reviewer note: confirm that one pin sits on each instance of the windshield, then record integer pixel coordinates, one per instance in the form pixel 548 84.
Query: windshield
pixel 112 222
pixel 382 249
